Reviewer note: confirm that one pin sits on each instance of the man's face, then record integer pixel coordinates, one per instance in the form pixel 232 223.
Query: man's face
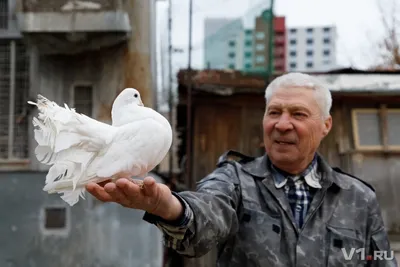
pixel 293 128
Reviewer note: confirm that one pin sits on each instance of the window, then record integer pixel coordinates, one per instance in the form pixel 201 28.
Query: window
pixel 249 32
pixel 247 54
pixel 327 41
pixel 54 220
pixel 260 59
pixel 83 99
pixel 293 30
pixel 248 43
pixel 232 66
pixel 327 29
pixel 309 65
pixel 14 90
pixel 309 30
pixel 260 35
pixel 376 129
pixel 310 53
pixel 247 66
pixel 231 55
pixel 293 53
pixel 260 47
pixel 293 42
pixel 310 41
pixel 293 65
pixel 327 52
pixel 326 62
pixel 232 43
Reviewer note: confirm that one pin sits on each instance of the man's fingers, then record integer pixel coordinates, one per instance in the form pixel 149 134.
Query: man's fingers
pixel 102 184
pixel 130 188
pixel 98 192
pixel 117 194
pixel 150 186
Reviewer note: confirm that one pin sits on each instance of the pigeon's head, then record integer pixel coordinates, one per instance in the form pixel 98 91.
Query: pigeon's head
pixel 128 96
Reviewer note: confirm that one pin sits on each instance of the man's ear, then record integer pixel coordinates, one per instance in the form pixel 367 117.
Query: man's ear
pixel 327 125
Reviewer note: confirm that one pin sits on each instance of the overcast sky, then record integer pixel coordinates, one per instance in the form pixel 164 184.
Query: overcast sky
pixel 358 24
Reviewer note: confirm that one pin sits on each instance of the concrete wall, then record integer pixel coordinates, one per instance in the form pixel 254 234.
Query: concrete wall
pixel 101 235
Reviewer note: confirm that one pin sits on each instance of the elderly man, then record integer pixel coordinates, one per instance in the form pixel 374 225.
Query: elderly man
pixel 286 208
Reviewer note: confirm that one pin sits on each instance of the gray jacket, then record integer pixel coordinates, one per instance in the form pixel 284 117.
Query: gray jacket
pixel 238 208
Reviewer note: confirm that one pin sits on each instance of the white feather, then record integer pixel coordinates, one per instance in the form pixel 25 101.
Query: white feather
pixel 80 149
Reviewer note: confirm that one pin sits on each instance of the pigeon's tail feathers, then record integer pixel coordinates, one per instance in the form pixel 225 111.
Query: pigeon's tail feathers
pixel 60 128
pixel 68 142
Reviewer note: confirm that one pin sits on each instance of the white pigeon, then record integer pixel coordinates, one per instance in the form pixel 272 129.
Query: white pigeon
pixel 82 150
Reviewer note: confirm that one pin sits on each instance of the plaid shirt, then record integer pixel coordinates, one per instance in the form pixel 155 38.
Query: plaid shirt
pixel 299 189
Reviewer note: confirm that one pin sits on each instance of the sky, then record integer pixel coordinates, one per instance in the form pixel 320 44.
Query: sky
pixel 358 24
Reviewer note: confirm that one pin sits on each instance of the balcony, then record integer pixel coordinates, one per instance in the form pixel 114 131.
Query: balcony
pixel 62 26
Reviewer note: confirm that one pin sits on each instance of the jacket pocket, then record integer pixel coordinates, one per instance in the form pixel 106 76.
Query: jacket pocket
pixel 381 249
pixel 344 247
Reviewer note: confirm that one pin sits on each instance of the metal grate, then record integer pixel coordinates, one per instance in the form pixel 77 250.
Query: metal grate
pixel 14 86
pixel 20 145
pixel 4 14
pixel 83 99
pixel 4 96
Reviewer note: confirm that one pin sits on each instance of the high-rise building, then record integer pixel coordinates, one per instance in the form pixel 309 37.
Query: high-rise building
pixel 262 43
pixel 311 49
pixel 229 45
pixel 221 43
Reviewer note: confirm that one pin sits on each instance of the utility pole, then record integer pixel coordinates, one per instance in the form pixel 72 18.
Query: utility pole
pixel 170 96
pixel 270 67
pixel 189 104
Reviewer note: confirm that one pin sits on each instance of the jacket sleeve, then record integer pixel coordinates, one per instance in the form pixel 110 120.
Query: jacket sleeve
pixel 379 245
pixel 209 217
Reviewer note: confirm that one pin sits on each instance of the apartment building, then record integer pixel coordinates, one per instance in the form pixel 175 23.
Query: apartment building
pixel 229 45
pixel 262 42
pixel 222 43
pixel 80 53
pixel 311 49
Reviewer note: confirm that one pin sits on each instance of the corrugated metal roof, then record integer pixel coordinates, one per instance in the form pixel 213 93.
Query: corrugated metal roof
pixel 341 80
pixel 367 82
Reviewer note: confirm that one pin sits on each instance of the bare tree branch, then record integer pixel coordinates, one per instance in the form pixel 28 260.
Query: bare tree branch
pixel 389 47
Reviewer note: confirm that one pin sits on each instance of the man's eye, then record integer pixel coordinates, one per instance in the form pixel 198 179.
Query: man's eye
pixel 273 113
pixel 297 114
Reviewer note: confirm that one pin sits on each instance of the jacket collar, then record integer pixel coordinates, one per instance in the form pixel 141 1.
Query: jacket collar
pixel 259 167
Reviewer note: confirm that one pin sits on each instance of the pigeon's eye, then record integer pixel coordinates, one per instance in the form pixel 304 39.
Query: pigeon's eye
pixel 135 95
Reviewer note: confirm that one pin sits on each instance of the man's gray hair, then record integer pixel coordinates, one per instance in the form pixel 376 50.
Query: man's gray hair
pixel 300 80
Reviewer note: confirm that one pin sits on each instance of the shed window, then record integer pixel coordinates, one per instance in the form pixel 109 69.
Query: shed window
pixel 393 122
pixel 376 129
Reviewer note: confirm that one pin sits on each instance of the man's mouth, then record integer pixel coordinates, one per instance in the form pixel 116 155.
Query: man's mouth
pixel 284 142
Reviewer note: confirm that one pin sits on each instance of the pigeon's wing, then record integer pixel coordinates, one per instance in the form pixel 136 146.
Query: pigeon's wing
pixel 69 142
pixel 135 149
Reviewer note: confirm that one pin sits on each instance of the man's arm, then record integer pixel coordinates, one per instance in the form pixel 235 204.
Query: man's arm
pixel 209 215
pixel 379 245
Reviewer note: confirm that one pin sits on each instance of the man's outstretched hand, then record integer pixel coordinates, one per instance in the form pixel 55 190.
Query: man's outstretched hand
pixel 151 196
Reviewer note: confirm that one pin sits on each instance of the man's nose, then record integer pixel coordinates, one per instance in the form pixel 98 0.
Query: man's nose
pixel 284 124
